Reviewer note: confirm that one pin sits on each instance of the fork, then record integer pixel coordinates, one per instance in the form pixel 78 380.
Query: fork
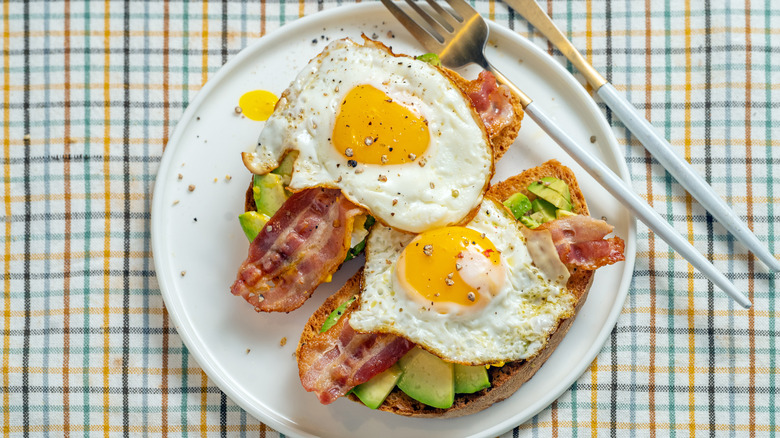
pixel 459 38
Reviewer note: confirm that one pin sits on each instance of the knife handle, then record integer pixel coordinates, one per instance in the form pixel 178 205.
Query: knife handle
pixel 662 151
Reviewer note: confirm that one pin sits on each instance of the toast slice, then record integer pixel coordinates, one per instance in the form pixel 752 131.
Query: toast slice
pixel 504 380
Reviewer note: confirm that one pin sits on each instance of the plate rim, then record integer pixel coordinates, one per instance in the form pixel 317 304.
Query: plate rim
pixel 204 359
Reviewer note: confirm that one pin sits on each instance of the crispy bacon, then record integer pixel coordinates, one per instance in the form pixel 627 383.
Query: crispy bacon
pixel 302 245
pixel 492 102
pixel 340 359
pixel 580 242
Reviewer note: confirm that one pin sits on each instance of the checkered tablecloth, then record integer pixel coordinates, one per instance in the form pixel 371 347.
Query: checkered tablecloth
pixel 92 90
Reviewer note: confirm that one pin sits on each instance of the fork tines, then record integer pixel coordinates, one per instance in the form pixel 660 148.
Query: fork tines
pixel 441 22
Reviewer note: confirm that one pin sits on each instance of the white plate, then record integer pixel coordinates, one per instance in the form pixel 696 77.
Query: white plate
pixel 239 349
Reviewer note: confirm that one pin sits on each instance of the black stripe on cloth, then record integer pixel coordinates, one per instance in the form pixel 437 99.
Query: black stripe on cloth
pixel 613 337
pixel 126 243
pixel 80 215
pixel 52 275
pixel 730 332
pixel 91 104
pixel 80 158
pixel 761 161
pixel 682 389
pixel 27 231
pixel 224 47
pixel 56 331
pixel 223 415
pixel 696 275
pixel 100 390
pixel 708 178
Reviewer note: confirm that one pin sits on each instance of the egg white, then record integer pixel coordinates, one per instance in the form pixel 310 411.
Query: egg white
pixel 458 162
pixel 514 325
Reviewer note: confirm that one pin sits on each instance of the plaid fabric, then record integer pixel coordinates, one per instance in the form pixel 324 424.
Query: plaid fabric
pixel 91 91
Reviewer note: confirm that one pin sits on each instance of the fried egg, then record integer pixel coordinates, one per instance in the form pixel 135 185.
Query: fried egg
pixel 469 294
pixel 392 132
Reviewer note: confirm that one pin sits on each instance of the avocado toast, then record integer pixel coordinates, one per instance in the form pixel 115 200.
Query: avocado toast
pixel 504 379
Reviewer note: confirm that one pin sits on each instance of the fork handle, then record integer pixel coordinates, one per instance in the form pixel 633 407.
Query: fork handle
pixel 637 205
pixel 662 151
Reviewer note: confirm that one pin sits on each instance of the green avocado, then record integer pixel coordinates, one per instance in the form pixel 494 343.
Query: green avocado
pixel 558 185
pixel 360 246
pixel 269 193
pixel 252 222
pixel 537 217
pixel 427 379
pixel 334 316
pixel 563 213
pixel 285 168
pixel 542 190
pixel 374 392
pixel 529 222
pixel 545 208
pixel 518 204
pixel 470 379
pixel 430 58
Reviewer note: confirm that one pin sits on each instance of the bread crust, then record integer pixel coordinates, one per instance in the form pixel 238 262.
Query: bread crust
pixel 504 380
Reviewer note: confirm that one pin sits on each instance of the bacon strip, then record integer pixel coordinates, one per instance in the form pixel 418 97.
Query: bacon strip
pixel 580 242
pixel 302 245
pixel 492 102
pixel 334 362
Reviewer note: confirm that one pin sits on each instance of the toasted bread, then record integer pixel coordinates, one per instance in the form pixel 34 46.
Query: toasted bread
pixel 504 380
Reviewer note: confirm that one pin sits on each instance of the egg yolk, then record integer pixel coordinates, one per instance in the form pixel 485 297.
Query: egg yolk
pixel 450 269
pixel 257 105
pixel 373 129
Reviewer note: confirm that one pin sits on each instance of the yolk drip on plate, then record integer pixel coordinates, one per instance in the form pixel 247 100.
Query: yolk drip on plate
pixel 452 269
pixel 258 104
pixel 371 128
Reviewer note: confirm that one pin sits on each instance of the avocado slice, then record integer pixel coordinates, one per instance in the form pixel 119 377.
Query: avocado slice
pixel 285 168
pixel 430 58
pixel 360 246
pixel 563 213
pixel 252 222
pixel 529 222
pixel 335 315
pixel 518 204
pixel 374 392
pixel 470 379
pixel 545 208
pixel 541 190
pixel 537 217
pixel 427 379
pixel 269 193
pixel 559 186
